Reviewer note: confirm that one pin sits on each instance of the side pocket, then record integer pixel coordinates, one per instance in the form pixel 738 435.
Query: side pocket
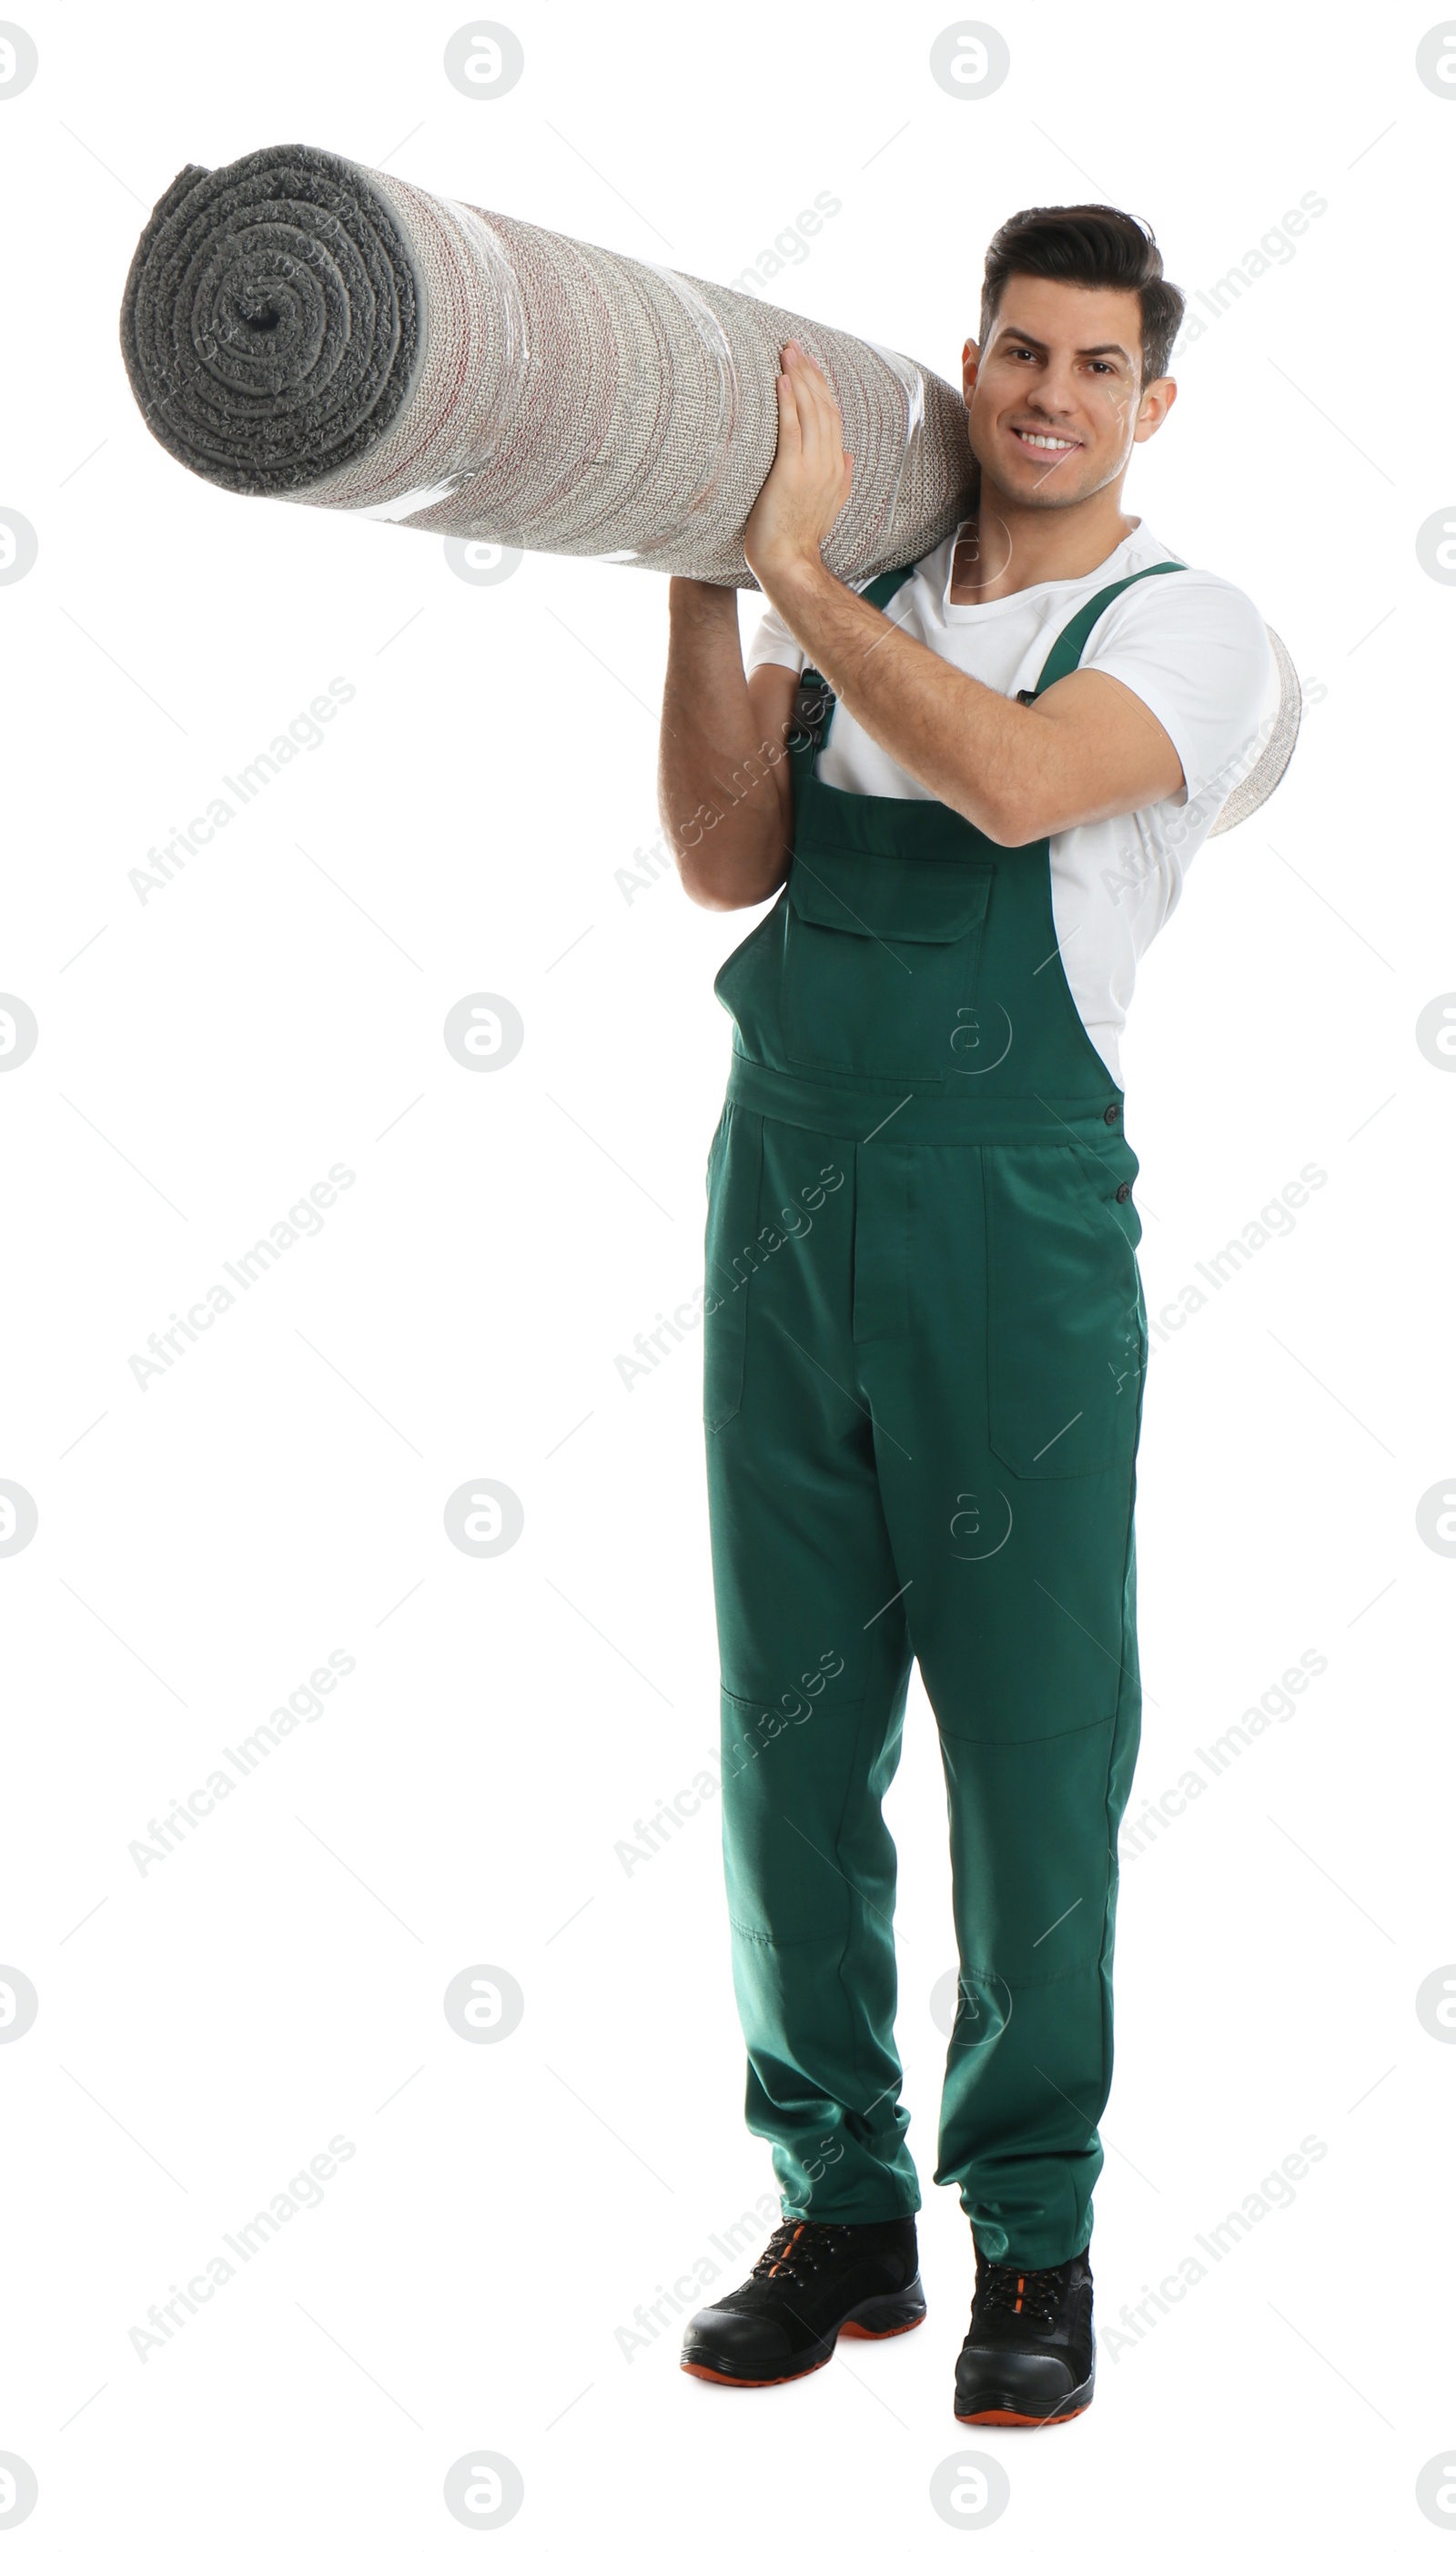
pixel 735 1164
pixel 1066 1342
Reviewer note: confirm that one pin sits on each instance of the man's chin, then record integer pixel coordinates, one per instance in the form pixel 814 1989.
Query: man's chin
pixel 1044 492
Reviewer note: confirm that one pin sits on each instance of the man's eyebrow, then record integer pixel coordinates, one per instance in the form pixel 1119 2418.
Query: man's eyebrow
pixel 1039 347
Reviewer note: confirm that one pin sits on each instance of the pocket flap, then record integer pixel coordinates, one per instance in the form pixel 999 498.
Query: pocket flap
pixel 887 898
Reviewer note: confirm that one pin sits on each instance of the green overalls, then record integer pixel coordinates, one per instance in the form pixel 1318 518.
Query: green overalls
pixel 923 1373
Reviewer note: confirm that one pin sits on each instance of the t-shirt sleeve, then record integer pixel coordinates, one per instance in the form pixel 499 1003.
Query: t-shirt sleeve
pixel 774 643
pixel 1196 651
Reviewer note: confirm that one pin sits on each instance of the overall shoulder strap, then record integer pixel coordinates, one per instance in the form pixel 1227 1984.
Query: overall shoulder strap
pixel 1066 654
pixel 814 704
pixel 890 582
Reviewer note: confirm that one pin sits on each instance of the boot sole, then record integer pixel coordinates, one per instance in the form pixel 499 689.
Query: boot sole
pixel 883 2317
pixel 998 2411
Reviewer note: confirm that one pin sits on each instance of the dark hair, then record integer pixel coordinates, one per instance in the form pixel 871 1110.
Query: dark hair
pixel 1095 246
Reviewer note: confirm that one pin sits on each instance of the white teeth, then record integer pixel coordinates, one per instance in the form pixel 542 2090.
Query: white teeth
pixel 1043 442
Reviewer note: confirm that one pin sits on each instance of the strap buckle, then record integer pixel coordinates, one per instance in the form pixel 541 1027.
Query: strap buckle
pixel 813 702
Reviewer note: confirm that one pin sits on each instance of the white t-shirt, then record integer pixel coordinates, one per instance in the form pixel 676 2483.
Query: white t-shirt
pixel 1192 646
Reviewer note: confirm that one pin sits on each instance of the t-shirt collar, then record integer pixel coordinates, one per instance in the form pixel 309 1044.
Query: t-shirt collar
pixel 1112 567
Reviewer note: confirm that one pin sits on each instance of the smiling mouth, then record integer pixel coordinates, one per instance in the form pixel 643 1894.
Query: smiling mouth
pixel 1043 442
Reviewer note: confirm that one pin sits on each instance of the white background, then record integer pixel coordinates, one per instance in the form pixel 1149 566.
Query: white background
pixel 205 1543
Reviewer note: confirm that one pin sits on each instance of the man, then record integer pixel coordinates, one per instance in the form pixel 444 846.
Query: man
pixel 924 1360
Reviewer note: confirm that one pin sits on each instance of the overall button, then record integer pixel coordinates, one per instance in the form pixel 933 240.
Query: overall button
pixel 1111 1112
pixel 1123 1193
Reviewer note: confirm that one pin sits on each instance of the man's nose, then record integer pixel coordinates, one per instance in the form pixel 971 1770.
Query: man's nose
pixel 1053 392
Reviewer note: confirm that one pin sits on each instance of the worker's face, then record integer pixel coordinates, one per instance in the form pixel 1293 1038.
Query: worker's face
pixel 1054 400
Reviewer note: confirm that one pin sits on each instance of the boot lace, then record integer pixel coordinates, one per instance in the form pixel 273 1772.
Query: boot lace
pixel 1037 2294
pixel 794 2252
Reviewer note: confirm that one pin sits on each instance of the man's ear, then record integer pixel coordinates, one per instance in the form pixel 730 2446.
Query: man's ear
pixel 1153 407
pixel 970 366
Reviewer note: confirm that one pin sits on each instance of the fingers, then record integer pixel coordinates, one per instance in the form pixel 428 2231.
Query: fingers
pixel 801 356
pixel 811 384
pixel 819 423
pixel 810 481
pixel 791 436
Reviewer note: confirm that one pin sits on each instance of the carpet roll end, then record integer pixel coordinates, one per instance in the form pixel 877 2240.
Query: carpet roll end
pixel 271 319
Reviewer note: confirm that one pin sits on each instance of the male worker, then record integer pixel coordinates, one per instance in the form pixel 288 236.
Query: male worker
pixel 925 1351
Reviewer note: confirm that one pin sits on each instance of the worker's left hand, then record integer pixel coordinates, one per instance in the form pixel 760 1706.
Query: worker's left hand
pixel 809 483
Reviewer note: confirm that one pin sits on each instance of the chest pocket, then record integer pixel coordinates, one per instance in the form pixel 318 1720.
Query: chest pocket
pixel 880 962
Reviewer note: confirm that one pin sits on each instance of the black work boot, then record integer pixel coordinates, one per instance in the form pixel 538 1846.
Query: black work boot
pixel 813 2281
pixel 1029 2356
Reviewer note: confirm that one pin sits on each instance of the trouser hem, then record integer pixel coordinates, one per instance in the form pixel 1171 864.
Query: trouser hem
pixel 807 2215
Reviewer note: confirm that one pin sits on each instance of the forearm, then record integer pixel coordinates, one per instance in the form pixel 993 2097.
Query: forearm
pixel 978 753
pixel 718 794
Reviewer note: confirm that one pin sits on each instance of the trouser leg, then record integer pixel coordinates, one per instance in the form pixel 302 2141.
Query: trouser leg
pixel 1033 1840
pixel 816 1661
pixel 811 1868
pixel 1020 1608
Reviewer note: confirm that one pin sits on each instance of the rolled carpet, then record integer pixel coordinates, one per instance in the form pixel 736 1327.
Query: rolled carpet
pixel 300 327
pixel 296 326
